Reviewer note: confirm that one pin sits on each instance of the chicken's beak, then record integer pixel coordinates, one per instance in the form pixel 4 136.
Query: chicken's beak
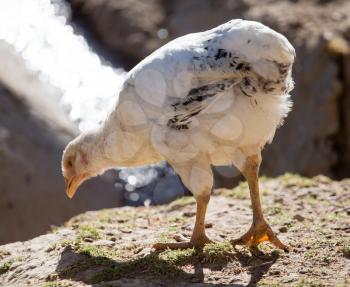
pixel 73 183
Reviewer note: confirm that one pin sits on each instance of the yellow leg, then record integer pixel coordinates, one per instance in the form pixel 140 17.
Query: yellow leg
pixel 198 238
pixel 260 231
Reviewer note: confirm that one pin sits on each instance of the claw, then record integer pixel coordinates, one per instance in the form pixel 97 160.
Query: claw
pixel 257 234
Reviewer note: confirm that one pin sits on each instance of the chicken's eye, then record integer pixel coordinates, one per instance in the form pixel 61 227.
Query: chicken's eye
pixel 70 164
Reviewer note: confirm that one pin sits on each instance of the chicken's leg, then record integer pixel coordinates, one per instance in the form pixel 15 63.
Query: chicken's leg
pixel 198 238
pixel 260 231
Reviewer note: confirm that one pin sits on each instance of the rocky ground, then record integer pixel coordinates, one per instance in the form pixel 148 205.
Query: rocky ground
pixel 112 247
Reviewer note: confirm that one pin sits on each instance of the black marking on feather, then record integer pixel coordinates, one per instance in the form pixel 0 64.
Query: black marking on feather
pixel 219 59
pixel 239 66
pixel 268 86
pixel 221 53
pixel 243 66
pixel 180 127
pixel 247 87
pixel 244 92
pixel 283 68
pixel 192 105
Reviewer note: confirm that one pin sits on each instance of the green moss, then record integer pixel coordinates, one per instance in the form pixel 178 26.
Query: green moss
pixel 269 283
pixel 178 257
pixel 5 266
pixel 4 253
pixel 104 216
pixel 181 202
pixel 97 251
pixel 57 284
pixel 151 263
pixel 309 282
pixel 52 247
pixel 290 180
pixel 345 250
pixel 215 252
pixel 264 179
pixel 167 263
pixel 54 284
pixel 241 191
pixel 164 237
pixel 87 231
pixel 312 199
pixel 265 191
pixel 279 215
pixel 326 260
pixel 275 210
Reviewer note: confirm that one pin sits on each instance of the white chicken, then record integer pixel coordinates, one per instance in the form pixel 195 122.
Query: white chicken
pixel 209 98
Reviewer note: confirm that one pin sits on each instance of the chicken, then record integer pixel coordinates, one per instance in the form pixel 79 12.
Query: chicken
pixel 209 98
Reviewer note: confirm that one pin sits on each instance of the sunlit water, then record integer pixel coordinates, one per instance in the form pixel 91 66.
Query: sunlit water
pixel 39 32
pixel 37 29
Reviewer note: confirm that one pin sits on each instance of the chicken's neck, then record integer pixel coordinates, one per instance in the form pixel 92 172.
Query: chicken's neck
pixel 126 146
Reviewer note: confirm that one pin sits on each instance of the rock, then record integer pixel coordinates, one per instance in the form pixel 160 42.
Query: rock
pixel 62 258
pixel 138 23
pixel 33 134
pixel 208 225
pixel 283 229
pixel 299 217
pixel 189 214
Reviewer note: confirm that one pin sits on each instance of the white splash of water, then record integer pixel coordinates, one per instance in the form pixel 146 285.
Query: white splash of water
pixel 50 47
pixel 89 87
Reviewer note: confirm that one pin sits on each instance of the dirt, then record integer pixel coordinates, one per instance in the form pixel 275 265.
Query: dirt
pixel 112 247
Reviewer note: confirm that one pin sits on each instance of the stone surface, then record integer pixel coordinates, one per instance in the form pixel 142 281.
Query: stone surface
pixel 128 27
pixel 33 134
pixel 319 243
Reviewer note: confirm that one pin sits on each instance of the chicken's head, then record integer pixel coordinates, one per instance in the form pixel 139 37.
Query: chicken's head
pixel 80 162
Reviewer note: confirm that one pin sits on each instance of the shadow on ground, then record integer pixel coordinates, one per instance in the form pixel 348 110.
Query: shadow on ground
pixel 153 268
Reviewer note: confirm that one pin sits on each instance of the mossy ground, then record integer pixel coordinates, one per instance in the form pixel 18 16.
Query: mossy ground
pixel 311 215
pixel 5 266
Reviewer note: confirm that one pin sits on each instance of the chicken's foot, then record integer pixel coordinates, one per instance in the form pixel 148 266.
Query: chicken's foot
pixel 259 231
pixel 198 238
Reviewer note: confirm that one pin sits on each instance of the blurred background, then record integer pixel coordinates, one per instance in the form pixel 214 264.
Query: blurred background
pixel 62 63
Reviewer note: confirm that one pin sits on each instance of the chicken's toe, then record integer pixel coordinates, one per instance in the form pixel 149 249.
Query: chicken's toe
pixel 197 242
pixel 257 234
